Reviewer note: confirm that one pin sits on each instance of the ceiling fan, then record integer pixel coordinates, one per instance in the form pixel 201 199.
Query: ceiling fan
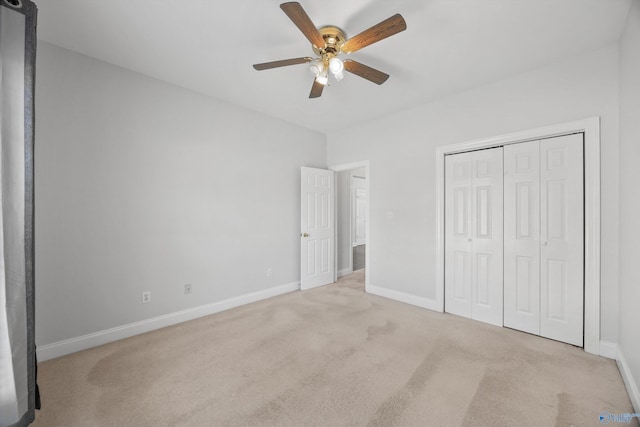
pixel 329 42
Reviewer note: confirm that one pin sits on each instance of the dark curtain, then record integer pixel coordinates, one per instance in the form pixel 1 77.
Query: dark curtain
pixel 17 344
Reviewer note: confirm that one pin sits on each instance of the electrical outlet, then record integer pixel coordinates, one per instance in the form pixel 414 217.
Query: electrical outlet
pixel 269 272
pixel 187 288
pixel 146 297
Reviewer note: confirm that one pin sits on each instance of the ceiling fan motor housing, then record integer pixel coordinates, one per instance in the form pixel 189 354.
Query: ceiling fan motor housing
pixel 334 38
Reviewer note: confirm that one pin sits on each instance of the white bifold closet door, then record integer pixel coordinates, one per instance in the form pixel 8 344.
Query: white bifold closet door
pixel 544 238
pixel 473 235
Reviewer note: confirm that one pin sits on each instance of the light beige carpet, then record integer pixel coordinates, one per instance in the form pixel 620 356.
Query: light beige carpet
pixel 332 356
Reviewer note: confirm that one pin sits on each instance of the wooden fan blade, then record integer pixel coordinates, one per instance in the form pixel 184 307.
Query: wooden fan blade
pixel 316 89
pixel 365 71
pixel 281 63
pixel 296 13
pixel 384 29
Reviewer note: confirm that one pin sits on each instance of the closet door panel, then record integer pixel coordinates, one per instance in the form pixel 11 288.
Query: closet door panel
pixel 562 239
pixel 487 283
pixel 522 236
pixel 458 232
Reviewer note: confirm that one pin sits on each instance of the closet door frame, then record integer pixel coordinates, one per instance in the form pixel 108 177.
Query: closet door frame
pixel 591 129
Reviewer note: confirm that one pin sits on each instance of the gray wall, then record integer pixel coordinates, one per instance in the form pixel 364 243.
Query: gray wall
pixel 146 186
pixel 630 202
pixel 401 149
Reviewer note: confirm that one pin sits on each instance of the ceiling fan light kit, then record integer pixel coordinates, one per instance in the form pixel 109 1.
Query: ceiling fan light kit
pixel 328 42
pixel 337 67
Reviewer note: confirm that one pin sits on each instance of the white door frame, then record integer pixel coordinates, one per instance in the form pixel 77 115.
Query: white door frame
pixel 591 129
pixel 341 168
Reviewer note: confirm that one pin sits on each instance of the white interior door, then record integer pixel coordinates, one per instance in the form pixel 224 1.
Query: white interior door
pixel 473 235
pixel 522 236
pixel 562 239
pixel 317 228
pixel 488 240
pixel 458 233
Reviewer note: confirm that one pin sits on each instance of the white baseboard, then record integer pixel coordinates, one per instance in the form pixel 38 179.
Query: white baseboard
pixel 72 345
pixel 427 303
pixel 629 381
pixel 345 272
pixel 608 349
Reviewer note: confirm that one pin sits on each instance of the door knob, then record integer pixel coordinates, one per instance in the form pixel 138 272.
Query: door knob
pixel 469 239
pixel 304 235
pixel 544 243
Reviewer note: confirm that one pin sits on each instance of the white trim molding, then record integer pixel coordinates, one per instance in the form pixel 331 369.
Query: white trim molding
pixel 608 350
pixel 591 129
pixel 629 381
pixel 62 348
pixel 345 272
pixel 427 303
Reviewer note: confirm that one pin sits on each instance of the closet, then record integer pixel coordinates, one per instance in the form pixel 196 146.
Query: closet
pixel 536 230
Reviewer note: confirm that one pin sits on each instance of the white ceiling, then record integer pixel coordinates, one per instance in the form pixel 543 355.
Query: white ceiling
pixel 449 46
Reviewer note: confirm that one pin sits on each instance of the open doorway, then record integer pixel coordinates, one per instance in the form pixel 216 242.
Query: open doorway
pixel 352 219
pixel 359 218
